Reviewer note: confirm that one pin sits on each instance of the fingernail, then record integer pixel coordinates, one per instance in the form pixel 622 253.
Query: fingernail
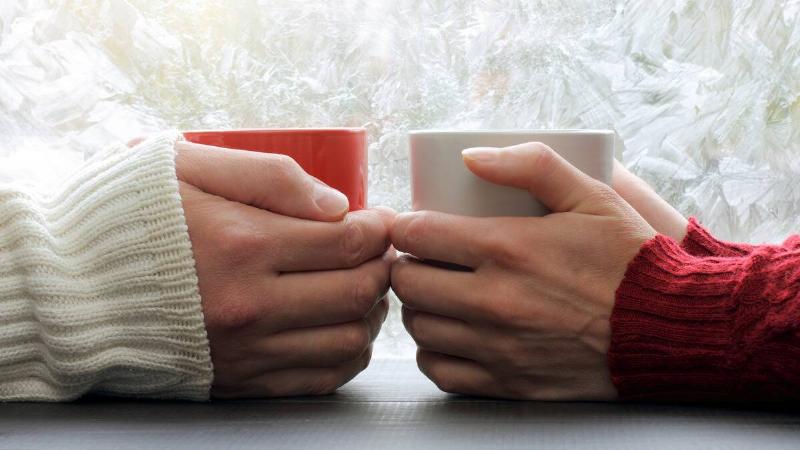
pixel 480 154
pixel 329 200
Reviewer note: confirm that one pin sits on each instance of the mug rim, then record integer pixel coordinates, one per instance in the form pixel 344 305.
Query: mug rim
pixel 323 130
pixel 558 131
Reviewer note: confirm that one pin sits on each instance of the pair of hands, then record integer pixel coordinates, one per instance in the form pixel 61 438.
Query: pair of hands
pixel 294 287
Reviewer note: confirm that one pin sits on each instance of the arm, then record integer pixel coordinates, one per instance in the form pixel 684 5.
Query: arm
pixel 98 290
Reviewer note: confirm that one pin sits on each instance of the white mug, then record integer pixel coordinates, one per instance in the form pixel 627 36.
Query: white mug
pixel 440 181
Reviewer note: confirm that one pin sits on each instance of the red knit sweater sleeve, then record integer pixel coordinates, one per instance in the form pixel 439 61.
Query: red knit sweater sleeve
pixel 691 328
pixel 699 242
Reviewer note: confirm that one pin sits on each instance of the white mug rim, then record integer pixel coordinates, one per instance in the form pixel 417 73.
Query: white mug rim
pixel 565 131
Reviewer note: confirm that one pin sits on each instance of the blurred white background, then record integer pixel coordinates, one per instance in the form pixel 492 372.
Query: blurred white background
pixel 704 94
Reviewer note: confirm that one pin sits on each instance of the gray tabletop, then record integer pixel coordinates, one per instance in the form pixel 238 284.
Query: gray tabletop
pixel 390 405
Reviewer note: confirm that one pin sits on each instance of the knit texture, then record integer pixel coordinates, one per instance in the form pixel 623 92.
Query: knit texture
pixel 720 328
pixel 98 290
pixel 699 242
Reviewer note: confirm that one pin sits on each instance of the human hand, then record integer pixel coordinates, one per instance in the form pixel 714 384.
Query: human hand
pixel 530 319
pixel 292 286
pixel 655 210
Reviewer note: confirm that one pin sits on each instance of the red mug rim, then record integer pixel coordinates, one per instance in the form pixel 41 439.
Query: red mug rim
pixel 330 130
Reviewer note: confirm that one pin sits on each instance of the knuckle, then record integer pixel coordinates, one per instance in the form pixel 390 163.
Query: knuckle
pixel 283 164
pixel 366 290
pixel 239 243
pixel 546 158
pixel 354 242
pixel 284 171
pixel 503 250
pixel 418 227
pixel 354 341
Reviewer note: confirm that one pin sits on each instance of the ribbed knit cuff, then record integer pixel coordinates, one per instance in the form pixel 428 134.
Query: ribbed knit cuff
pixel 688 328
pixel 98 290
pixel 699 242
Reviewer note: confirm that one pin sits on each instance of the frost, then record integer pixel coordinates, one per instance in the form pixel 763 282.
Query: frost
pixel 704 95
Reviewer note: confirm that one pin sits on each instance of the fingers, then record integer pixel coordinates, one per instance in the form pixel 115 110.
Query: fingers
pixel 323 346
pixel 537 168
pixel 307 299
pixel 457 375
pixel 444 335
pixel 466 241
pixel 431 289
pixel 267 181
pixel 654 209
pixel 293 382
pixel 307 245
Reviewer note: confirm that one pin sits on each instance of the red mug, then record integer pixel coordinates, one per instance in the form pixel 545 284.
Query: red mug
pixel 337 156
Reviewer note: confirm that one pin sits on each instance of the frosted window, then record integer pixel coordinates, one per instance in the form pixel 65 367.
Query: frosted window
pixel 705 96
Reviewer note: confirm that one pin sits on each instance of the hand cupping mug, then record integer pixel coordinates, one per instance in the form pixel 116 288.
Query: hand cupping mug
pixel 440 181
pixel 336 156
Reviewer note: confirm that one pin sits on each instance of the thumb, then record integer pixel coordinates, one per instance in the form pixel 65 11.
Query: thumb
pixel 541 171
pixel 264 180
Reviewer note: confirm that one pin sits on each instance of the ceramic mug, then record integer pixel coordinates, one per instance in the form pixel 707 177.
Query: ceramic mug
pixel 440 181
pixel 336 156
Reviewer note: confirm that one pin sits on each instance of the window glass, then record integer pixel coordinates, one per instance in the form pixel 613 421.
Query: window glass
pixel 704 96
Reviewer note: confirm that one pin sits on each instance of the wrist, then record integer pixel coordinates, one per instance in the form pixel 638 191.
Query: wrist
pixel 671 324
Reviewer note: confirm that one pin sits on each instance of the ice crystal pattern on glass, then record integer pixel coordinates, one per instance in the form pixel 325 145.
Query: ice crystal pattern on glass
pixel 704 95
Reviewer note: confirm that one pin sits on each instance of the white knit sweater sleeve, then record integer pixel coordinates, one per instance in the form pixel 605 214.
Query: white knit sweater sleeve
pixel 98 290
